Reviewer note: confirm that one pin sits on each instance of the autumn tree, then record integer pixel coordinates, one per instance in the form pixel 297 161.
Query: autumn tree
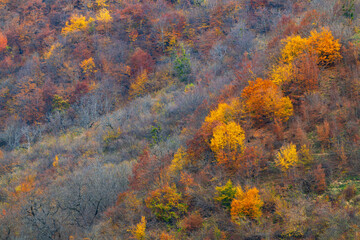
pixel 320 47
pixel 225 194
pixel 287 157
pixel 320 180
pixel 77 23
pixel 179 162
pixel 246 204
pixel 325 46
pixel 224 113
pixel 141 61
pixel 29 103
pixel 304 78
pixel 167 204
pixel 138 86
pixel 3 42
pixel 104 19
pixel 228 145
pixel 264 102
pixel 138 231
pixel 88 66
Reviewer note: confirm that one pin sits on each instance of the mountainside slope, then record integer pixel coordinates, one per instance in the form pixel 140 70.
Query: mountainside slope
pixel 179 119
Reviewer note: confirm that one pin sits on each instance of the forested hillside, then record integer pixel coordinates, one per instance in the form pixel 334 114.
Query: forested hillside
pixel 180 119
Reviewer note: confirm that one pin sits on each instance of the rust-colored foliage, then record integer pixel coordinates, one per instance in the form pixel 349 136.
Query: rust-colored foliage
pixel 320 180
pixel 304 79
pixel 166 236
pixel 144 170
pixel 81 88
pixel 141 61
pixel 264 102
pixel 192 222
pixel 324 133
pixel 29 103
pixel 3 42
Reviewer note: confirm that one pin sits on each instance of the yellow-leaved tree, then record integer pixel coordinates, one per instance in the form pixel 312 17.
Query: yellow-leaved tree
pixel 104 16
pixel 104 19
pixel 56 161
pixel 287 157
pixel 224 112
pixel 322 44
pixel 246 204
pixel 77 23
pixel 88 66
pixel 294 46
pixel 138 231
pixel 179 161
pixel 138 87
pixel 228 144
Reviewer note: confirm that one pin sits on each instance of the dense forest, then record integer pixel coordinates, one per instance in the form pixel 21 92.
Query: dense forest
pixel 180 119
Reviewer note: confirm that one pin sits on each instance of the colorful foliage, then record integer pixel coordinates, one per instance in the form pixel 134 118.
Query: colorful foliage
pixel 264 102
pixel 325 46
pixel 287 157
pixel 138 87
pixel 167 204
pixel 225 194
pixel 104 16
pixel 228 144
pixel 138 231
pixel 3 42
pixel 77 23
pixel 246 204
pixel 224 113
pixel 88 66
pixel 179 161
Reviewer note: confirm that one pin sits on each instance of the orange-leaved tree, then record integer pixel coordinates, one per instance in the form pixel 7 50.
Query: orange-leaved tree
pixel 246 204
pixel 3 42
pixel 264 102
pixel 325 46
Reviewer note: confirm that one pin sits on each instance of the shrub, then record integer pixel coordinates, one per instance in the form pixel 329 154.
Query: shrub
pixel 246 204
pixel 167 204
pixel 192 222
pixel 225 194
pixel 182 66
